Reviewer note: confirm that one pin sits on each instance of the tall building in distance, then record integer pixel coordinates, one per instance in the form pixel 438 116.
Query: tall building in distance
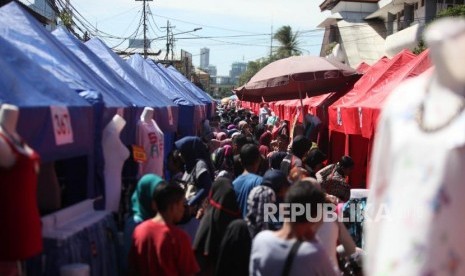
pixel 204 58
pixel 211 69
pixel 237 68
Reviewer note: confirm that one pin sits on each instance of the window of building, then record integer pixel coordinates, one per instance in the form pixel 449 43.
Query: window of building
pixel 422 3
pixel 449 2
pixel 415 6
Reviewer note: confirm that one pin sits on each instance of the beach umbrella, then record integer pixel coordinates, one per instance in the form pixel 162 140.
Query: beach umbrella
pixel 296 77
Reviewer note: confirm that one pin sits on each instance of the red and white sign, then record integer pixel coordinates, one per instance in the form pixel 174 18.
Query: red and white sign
pixel 62 127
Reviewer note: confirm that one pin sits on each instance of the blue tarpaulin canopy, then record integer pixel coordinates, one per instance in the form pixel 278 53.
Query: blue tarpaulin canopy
pixel 31 88
pixel 187 106
pixel 41 47
pixel 180 87
pixel 202 95
pixel 166 112
pixel 23 31
pixel 137 99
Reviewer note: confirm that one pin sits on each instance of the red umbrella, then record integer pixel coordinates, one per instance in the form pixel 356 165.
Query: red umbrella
pixel 293 77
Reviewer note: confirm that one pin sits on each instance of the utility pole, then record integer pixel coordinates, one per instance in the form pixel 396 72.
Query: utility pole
pixel 169 40
pixel 144 14
pixel 145 31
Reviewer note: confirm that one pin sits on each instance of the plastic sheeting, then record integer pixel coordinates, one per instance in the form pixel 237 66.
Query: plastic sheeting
pixel 200 105
pixel 137 100
pixel 31 88
pixel 42 48
pixel 369 108
pixel 165 111
pixel 349 118
pixel 187 106
pixel 373 75
pixel 24 32
pixel 357 116
pixel 202 95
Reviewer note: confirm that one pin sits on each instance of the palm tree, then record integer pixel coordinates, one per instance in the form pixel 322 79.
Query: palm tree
pixel 289 42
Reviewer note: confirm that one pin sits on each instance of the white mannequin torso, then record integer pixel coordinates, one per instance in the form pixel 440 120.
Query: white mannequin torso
pixel 151 138
pixel 8 119
pixel 147 115
pixel 446 88
pixel 416 177
pixel 115 153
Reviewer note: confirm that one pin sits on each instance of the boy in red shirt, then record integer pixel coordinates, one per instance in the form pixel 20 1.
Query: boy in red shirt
pixel 158 246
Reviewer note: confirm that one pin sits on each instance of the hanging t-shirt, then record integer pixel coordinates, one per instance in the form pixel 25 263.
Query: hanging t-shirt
pixel 150 137
pixel 20 232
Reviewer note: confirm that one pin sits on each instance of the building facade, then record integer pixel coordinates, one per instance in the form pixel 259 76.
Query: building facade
pixel 204 58
pixel 223 80
pixel 365 30
pixel 237 69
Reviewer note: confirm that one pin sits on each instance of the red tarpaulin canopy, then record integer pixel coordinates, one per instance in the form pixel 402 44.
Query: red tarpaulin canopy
pixel 363 68
pixel 348 122
pixel 369 108
pixel 357 117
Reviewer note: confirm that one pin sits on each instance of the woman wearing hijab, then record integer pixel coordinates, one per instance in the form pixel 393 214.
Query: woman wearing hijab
pixel 223 160
pixel 222 209
pixel 276 158
pixel 258 197
pixel 278 182
pixel 141 208
pixel 234 254
pixel 265 141
pixel 274 187
pixel 314 161
pixel 198 168
pixel 244 128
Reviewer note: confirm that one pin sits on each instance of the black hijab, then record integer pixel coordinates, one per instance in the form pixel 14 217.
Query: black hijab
pixel 234 254
pixel 193 149
pixel 222 209
pixel 276 158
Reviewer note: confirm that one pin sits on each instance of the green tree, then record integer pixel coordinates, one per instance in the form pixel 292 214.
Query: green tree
pixel 289 42
pixel 66 19
pixel 253 67
pixel 289 46
pixel 455 11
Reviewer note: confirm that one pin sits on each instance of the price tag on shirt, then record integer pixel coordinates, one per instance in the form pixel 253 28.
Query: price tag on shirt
pixel 62 127
pixel 139 154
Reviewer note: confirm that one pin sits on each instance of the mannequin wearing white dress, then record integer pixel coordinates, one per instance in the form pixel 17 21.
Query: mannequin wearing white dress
pixel 151 138
pixel 115 153
pixel 415 204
